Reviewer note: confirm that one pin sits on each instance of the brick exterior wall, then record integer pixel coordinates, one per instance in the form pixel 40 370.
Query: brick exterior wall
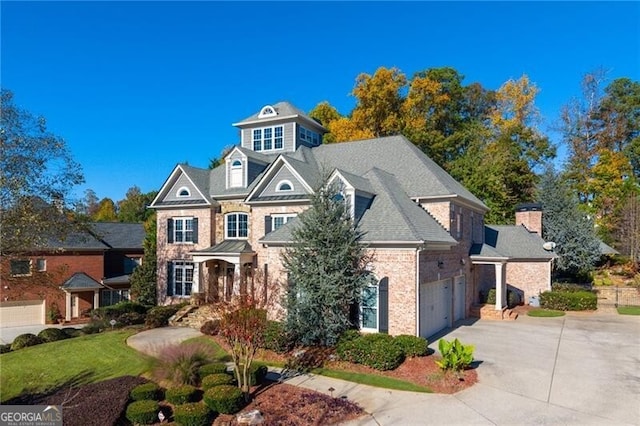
pixel 530 278
pixel 46 285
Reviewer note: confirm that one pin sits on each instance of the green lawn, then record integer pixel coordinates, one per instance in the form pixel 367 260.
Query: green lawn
pixel 372 380
pixel 629 310
pixel 83 359
pixel 545 313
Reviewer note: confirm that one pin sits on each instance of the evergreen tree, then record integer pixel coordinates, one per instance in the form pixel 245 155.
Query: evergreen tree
pixel 564 223
pixel 143 279
pixel 326 265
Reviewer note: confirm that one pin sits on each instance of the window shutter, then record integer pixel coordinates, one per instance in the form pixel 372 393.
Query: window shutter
pixel 169 278
pixel 267 224
pixel 383 305
pixel 170 230
pixel 195 229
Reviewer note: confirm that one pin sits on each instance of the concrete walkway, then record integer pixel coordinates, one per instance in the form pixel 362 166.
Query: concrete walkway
pixel 580 369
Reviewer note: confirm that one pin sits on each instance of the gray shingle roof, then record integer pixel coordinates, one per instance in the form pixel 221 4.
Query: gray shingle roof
pixel 119 235
pixel 418 175
pixel 81 281
pixel 284 109
pixel 513 242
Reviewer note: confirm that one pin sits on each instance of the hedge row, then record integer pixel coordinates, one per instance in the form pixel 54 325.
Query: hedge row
pixel 378 350
pixel 569 300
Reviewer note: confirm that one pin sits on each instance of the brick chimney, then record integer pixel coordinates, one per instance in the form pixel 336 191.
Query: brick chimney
pixel 530 215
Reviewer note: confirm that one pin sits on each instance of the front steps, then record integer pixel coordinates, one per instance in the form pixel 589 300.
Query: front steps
pixel 194 316
pixel 490 312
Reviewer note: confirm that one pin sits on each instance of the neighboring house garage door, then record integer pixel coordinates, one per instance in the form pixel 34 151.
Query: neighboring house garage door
pixel 435 306
pixel 22 312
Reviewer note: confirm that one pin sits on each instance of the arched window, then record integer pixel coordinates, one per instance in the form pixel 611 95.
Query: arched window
pixel 183 192
pixel 284 185
pixel 267 111
pixel 236 225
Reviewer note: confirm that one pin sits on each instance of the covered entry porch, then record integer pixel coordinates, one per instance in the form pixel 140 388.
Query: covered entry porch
pixel 223 271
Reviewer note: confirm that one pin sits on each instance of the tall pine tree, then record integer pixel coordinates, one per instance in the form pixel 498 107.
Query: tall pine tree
pixel 326 265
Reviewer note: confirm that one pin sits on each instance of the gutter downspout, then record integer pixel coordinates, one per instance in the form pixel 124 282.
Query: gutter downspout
pixel 418 250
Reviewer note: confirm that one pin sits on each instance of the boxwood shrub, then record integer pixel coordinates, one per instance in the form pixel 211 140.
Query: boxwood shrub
pixel 376 350
pixel 257 374
pixel 72 331
pixel 412 346
pixel 24 340
pixel 192 414
pixel 569 300
pixel 5 348
pixel 218 379
pixel 144 412
pixel 52 335
pixel 181 394
pixel 148 391
pixel 212 368
pixel 225 399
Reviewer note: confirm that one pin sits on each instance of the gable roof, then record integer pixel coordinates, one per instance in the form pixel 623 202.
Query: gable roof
pixel 198 177
pixel 511 242
pixel 418 175
pixel 102 236
pixel 81 281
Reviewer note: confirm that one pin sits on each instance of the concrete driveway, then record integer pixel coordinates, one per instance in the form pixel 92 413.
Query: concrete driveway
pixel 579 369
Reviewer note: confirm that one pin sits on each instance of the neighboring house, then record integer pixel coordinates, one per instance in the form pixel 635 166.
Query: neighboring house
pixel 216 228
pixel 84 271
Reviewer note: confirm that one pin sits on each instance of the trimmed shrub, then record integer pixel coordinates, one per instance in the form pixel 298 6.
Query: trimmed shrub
pixel 218 379
pixel 52 335
pixel 181 394
pixel 158 316
pixel 107 313
pixel 412 346
pixel 130 318
pixel 5 348
pixel 24 340
pixel 225 399
pixel 491 297
pixel 146 391
pixel 569 287
pixel 210 327
pixel 276 338
pixel 213 368
pixel 376 350
pixel 569 300
pixel 72 332
pixel 96 326
pixel 144 412
pixel 257 374
pixel 192 414
pixel 513 298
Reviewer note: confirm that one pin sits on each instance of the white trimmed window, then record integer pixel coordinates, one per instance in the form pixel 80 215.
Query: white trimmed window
pixel 236 225
pixel 111 297
pixel 280 219
pixel 182 281
pixel 20 267
pixel 41 265
pixel 268 139
pixel 183 230
pixel 284 186
pixel 369 307
pixel 235 174
pixel 183 192
pixel 309 137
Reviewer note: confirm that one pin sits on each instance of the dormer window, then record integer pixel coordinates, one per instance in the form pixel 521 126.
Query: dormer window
pixel 267 111
pixel 183 192
pixel 235 174
pixel 284 186
pixel 309 137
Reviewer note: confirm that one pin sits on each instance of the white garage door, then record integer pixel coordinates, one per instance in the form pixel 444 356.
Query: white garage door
pixel 435 307
pixel 459 296
pixel 22 312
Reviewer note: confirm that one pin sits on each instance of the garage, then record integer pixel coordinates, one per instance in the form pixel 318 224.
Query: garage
pixel 435 306
pixel 22 312
pixel 459 297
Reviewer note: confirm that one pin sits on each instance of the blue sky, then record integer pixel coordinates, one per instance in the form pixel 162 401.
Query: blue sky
pixel 136 87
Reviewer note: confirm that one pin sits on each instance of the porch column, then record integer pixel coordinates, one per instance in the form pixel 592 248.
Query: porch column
pixel 96 299
pixel 236 273
pixel 195 286
pixel 67 302
pixel 501 287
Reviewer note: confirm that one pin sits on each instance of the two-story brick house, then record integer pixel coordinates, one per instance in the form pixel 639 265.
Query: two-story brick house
pixel 216 226
pixel 69 277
